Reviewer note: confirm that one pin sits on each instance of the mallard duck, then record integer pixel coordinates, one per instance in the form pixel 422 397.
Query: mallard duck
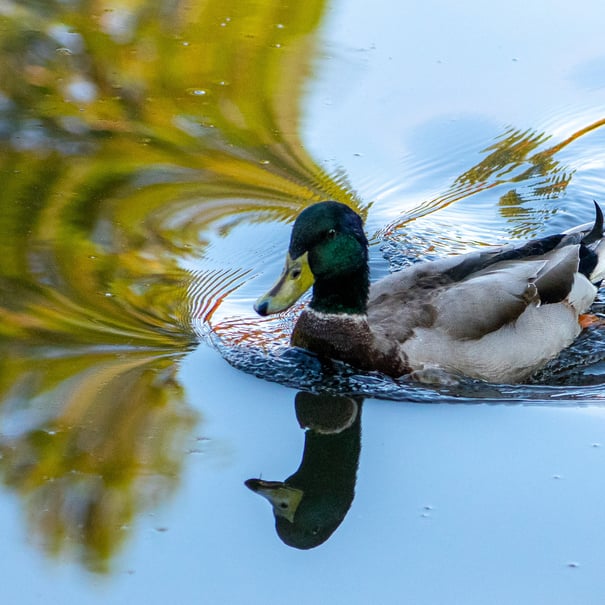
pixel 497 314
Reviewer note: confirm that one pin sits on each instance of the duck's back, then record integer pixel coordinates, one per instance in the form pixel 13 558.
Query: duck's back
pixel 497 314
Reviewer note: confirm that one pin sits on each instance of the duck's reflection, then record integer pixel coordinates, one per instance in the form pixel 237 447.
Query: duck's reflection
pixel 310 504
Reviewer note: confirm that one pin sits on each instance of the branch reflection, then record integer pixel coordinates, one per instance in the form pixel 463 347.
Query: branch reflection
pixel 518 159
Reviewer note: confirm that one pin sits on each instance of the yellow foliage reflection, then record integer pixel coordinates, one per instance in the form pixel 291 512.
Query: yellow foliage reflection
pixel 136 128
pixel 90 440
pixel 129 131
pixel 514 159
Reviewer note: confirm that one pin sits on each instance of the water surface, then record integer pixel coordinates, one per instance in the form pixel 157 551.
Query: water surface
pixel 154 157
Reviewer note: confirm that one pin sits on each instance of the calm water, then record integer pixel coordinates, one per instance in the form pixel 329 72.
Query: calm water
pixel 153 157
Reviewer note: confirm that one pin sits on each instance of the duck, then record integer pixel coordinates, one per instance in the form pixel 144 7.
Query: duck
pixel 496 314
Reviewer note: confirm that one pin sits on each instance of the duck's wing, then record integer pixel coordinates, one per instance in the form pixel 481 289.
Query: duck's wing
pixel 496 296
pixel 588 238
pixel 472 295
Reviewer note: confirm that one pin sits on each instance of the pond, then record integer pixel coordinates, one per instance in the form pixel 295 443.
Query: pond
pixel 154 157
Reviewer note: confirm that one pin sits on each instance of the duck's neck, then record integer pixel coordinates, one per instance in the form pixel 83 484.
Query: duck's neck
pixel 346 295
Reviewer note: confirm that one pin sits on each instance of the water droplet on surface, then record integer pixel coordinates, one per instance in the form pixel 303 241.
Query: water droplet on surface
pixel 197 92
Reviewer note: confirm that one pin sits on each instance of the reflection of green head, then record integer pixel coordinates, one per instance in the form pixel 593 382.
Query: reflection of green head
pixel 311 503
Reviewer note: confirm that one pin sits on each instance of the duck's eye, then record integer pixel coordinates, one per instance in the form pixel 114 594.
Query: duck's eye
pixel 295 273
pixel 331 234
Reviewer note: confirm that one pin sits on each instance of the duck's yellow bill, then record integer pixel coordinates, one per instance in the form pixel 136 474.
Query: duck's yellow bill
pixel 294 281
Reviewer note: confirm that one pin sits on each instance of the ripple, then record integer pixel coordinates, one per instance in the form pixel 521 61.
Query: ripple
pixel 519 168
pixel 260 348
pixel 208 290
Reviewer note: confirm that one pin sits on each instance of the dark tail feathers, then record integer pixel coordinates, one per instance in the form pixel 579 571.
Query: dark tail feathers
pixel 596 233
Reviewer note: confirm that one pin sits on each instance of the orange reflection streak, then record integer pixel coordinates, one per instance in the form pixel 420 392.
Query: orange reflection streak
pixel 209 289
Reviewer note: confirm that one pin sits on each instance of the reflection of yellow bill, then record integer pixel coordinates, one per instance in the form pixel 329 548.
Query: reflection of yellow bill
pixel 284 498
pixel 294 281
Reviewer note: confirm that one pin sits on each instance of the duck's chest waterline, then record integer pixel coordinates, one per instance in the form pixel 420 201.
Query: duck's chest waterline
pixel 348 338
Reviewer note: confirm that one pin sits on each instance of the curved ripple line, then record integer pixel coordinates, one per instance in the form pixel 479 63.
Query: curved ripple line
pixel 209 289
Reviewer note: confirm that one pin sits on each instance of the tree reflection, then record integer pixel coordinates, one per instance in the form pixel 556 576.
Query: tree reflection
pixel 130 131
pixel 515 159
pixel 311 504
pixel 90 441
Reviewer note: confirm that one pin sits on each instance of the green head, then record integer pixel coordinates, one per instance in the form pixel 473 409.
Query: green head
pixel 329 251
